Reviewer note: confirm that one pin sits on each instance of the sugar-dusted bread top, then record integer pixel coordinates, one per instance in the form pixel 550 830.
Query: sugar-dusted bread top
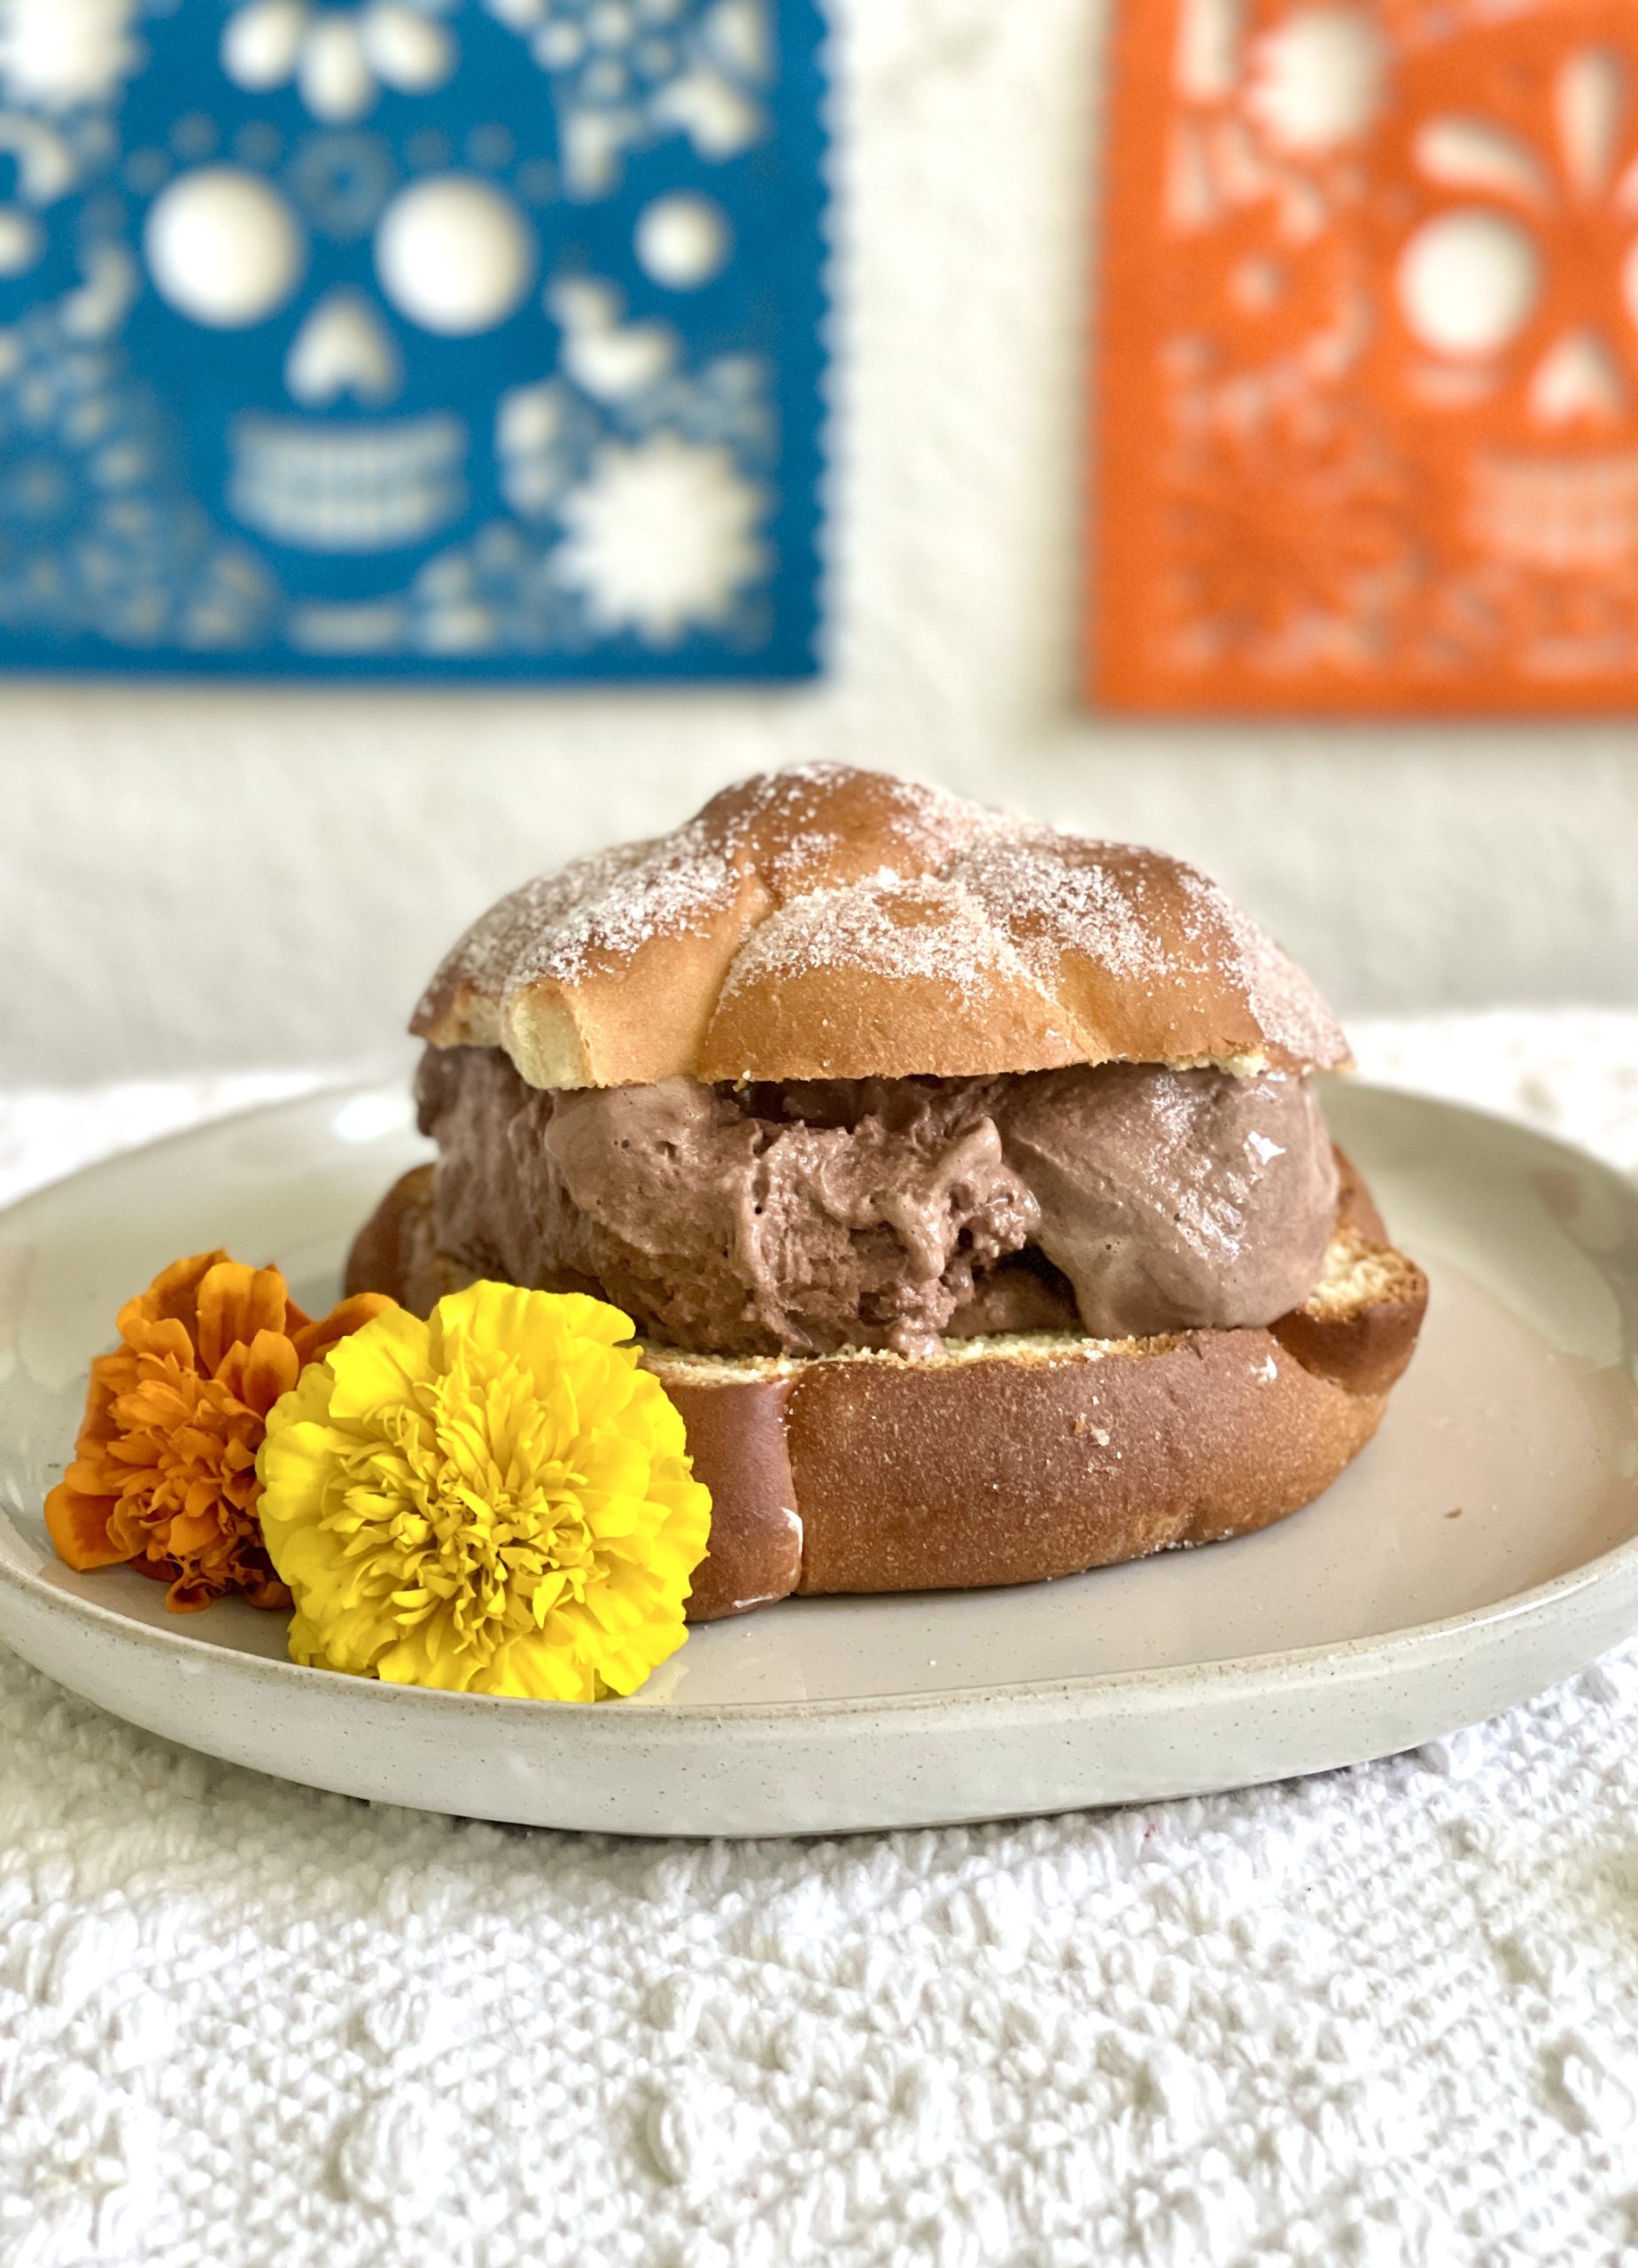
pixel 833 923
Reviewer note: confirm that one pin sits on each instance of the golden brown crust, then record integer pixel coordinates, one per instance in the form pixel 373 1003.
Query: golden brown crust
pixel 1359 1328
pixel 396 1250
pixel 1006 1470
pixel 1004 1460
pixel 738 1434
pixel 1356 1208
pixel 833 923
pixel 1365 1352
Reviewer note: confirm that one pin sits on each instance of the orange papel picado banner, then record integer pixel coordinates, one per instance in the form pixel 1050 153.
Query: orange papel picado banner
pixel 1365 438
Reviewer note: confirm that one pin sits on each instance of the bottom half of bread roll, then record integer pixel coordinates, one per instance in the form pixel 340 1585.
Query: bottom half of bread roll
pixel 1007 1459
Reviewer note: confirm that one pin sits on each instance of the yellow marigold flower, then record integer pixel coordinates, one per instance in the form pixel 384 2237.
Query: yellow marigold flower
pixel 496 1501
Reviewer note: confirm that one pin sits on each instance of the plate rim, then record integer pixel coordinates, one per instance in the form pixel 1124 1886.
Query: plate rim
pixel 1291 1668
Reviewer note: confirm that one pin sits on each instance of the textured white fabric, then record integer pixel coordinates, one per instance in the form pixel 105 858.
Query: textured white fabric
pixel 1385 2016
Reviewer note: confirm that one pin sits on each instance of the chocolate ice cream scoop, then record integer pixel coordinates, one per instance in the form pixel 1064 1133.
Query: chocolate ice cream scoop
pixel 720 1228
pixel 1175 1200
pixel 882 1213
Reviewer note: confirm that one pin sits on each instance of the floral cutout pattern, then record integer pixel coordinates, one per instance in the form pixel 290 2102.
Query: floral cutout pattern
pixel 1367 428
pixel 464 337
pixel 340 61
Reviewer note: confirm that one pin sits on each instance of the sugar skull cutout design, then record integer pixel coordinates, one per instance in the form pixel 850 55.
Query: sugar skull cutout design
pixel 1368 415
pixel 461 330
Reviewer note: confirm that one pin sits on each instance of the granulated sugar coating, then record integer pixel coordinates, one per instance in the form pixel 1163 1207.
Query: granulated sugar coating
pixel 1282 999
pixel 886 925
pixel 831 873
pixel 599 908
pixel 1053 893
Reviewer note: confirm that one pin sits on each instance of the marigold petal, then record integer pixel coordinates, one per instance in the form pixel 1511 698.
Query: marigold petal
pixel 172 1297
pixel 111 1376
pixel 623 1670
pixel 297 1466
pixel 190 1594
pixel 78 1527
pixel 166 1341
pixel 383 1363
pixel 94 1471
pixel 271 1367
pixel 314 1341
pixel 578 1315
pixel 266 1593
pixel 235 1302
pixel 536 1674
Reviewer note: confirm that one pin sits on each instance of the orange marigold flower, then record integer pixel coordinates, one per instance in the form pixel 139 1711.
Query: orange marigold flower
pixel 164 1473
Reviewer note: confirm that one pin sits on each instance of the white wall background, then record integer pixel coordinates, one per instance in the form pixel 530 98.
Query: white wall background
pixel 200 878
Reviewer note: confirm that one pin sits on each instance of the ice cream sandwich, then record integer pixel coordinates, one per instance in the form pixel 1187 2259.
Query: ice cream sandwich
pixel 965 1178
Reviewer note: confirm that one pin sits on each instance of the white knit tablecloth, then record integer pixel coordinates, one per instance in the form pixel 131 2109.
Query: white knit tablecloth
pixel 1385 2016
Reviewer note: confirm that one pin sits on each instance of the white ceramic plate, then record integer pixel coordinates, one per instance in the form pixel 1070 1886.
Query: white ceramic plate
pixel 1484 1545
